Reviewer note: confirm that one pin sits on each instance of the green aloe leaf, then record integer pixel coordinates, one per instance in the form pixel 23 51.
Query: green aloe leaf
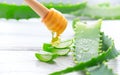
pixel 105 51
pixel 101 69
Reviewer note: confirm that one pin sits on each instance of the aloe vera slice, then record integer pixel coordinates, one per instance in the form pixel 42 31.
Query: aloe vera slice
pixel 61 52
pixel 44 57
pixel 58 51
pixel 64 44
pixel 48 47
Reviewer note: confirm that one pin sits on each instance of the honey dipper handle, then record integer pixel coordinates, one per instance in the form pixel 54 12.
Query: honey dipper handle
pixel 37 7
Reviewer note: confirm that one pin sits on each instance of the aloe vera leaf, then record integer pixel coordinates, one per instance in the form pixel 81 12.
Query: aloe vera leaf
pixel 12 11
pixel 86 41
pixel 102 42
pixel 103 11
pixel 105 42
pixel 101 69
pixel 74 23
pixel 110 53
pixel 66 7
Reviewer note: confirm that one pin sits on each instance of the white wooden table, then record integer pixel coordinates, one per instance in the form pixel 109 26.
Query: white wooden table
pixel 19 40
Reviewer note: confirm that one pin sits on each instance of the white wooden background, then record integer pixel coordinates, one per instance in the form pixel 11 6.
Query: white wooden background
pixel 19 40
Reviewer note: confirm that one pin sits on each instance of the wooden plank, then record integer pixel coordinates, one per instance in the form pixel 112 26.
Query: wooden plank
pixel 24 62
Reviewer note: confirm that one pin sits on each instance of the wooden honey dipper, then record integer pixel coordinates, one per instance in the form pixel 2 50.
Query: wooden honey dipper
pixel 53 19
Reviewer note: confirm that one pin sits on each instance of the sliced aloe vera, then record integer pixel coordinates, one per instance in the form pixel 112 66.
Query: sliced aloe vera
pixel 58 51
pixel 61 51
pixel 44 57
pixel 48 47
pixel 64 44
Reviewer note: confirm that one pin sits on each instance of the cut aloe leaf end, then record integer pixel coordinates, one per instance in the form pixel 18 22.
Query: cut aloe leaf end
pixel 44 57
pixel 61 52
pixel 47 47
pixel 64 44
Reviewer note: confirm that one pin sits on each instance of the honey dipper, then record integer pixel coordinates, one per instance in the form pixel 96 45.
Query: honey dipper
pixel 53 19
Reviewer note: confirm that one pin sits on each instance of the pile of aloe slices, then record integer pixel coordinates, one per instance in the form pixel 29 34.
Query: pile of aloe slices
pixel 91 49
pixel 52 52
